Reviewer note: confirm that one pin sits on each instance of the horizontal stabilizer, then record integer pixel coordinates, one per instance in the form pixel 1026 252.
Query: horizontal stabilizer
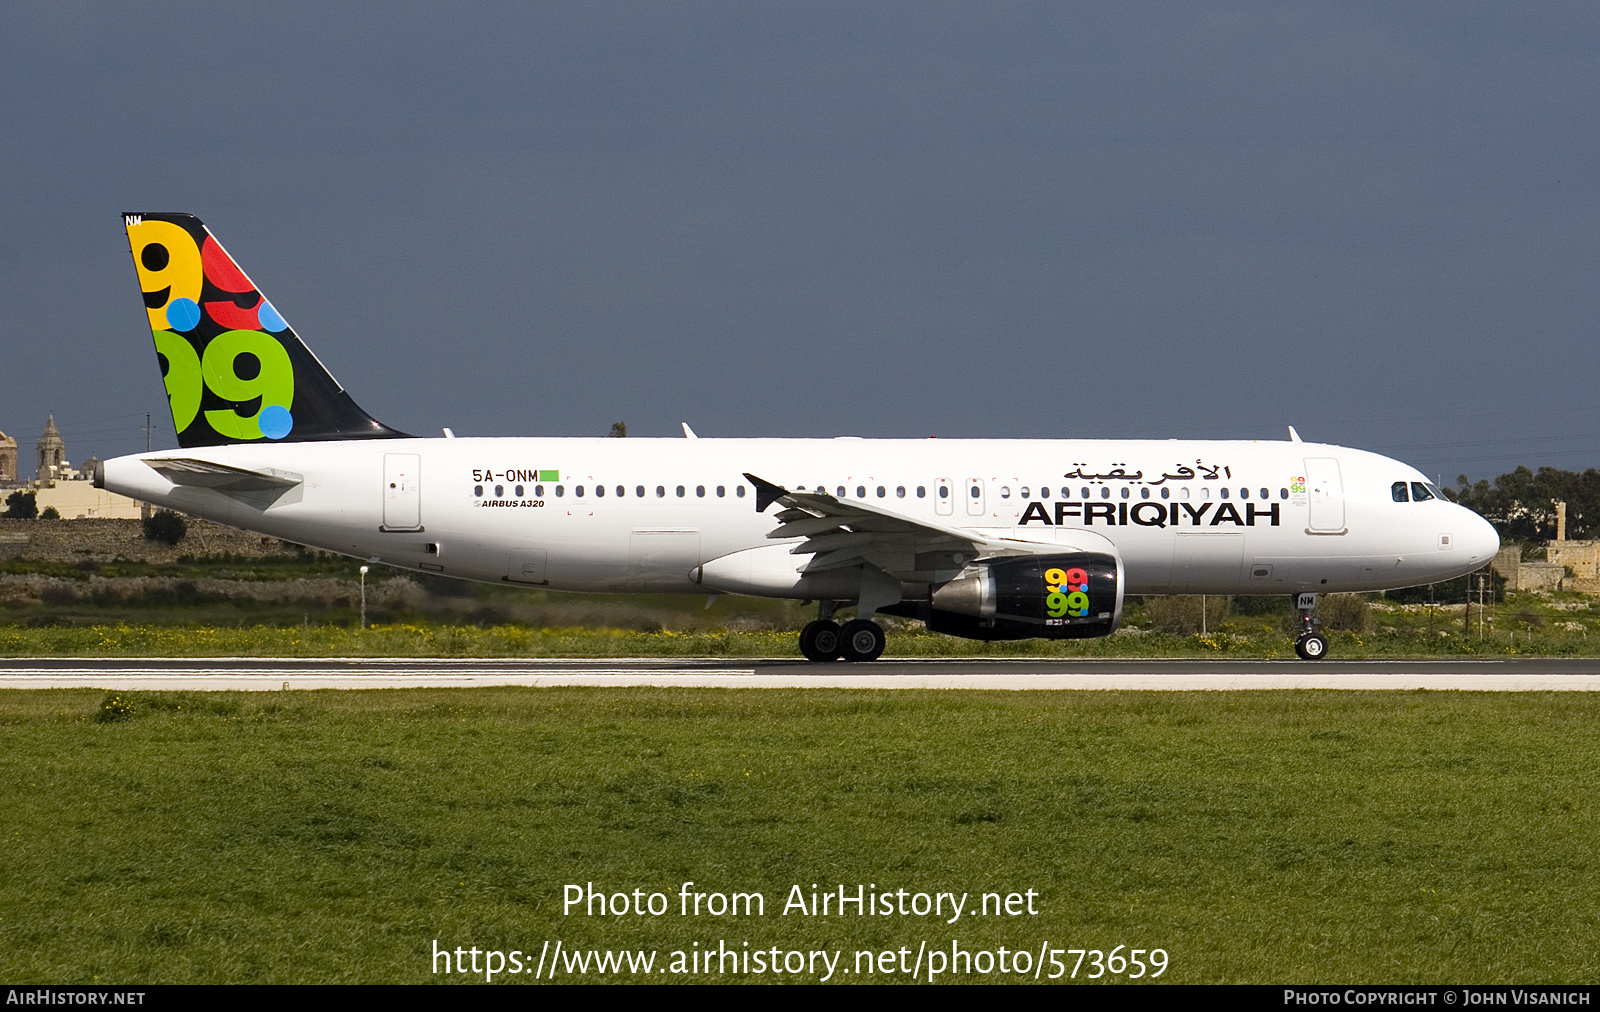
pixel 205 474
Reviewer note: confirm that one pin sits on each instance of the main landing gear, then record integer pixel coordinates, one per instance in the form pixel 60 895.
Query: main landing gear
pixel 823 640
pixel 1310 644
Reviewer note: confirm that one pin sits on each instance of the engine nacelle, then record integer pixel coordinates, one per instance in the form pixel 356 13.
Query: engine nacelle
pixel 1073 595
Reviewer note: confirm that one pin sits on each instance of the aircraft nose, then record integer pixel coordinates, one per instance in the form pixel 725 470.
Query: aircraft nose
pixel 1479 537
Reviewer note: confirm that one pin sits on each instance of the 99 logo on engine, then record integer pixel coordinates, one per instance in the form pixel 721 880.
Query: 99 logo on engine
pixel 1067 592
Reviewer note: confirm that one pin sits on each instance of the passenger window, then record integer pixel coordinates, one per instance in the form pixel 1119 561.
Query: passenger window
pixel 700 490
pixel 1044 493
pixel 1205 493
pixel 944 491
pixel 538 491
pixel 680 491
pixel 1126 492
pixel 861 491
pixel 921 492
pixel 1024 491
pixel 1397 492
pixel 622 491
pixel 1144 493
pixel 1005 492
pixel 599 490
pixel 1283 493
pixel 661 491
pixel 899 491
pixel 840 493
pixel 1105 491
pixel 517 491
pixel 738 490
pixel 477 490
pixel 1183 493
pixel 1265 494
pixel 721 491
pixel 1085 492
pixel 1419 492
pixel 1244 493
pixel 1166 493
pixel 560 491
pixel 882 491
pixel 1066 493
pixel 499 491
pixel 578 491
pixel 976 491
pixel 1223 492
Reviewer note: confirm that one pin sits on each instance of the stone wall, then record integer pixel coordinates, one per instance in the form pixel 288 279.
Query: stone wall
pixel 1582 557
pixel 319 592
pixel 106 540
pixel 1507 561
pixel 1541 576
pixel 1568 565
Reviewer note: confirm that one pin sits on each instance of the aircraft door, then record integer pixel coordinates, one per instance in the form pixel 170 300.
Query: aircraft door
pixel 944 498
pixel 402 492
pixel 1326 489
pixel 1207 563
pixel 974 497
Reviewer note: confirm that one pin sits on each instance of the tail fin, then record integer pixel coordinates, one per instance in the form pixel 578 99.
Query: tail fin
pixel 235 371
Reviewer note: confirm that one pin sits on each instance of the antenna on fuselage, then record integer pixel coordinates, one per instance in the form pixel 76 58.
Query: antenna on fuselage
pixel 1294 437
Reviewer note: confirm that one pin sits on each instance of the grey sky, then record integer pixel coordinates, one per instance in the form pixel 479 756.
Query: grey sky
pixel 1378 223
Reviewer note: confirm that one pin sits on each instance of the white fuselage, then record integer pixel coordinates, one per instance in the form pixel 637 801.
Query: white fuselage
pixel 622 515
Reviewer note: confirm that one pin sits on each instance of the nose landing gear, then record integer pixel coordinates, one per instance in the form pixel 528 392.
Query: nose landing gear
pixel 1309 644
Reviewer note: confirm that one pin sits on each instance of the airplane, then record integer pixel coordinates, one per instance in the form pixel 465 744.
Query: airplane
pixel 988 539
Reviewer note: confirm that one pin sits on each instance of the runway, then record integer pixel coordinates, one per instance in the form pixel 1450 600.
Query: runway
pixel 275 674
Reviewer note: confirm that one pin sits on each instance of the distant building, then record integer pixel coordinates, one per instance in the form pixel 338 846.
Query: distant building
pixel 80 500
pixel 52 453
pixel 8 460
pixel 71 491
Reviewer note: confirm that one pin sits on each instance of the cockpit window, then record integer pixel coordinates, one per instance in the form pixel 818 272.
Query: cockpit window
pixel 1419 492
pixel 1398 491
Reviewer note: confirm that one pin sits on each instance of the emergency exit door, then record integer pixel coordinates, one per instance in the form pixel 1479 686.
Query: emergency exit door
pixel 402 492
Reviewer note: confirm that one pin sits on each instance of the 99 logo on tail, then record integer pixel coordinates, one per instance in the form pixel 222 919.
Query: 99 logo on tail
pixel 222 364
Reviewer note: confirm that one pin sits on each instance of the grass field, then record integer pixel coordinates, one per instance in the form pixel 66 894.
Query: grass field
pixel 308 604
pixel 424 638
pixel 328 836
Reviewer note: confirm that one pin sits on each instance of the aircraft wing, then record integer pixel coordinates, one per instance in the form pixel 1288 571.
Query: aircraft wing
pixel 846 532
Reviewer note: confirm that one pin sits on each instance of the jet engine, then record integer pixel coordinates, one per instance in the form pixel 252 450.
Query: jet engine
pixel 1068 596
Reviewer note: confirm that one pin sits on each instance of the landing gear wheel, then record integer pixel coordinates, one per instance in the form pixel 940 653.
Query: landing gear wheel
pixel 1313 647
pixel 820 642
pixel 862 640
